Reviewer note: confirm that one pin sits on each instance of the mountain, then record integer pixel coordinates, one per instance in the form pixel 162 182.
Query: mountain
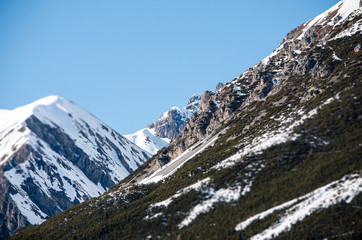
pixel 53 155
pixel 274 153
pixel 159 134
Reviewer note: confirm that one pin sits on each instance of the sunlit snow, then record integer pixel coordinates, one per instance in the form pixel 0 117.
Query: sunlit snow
pixel 297 209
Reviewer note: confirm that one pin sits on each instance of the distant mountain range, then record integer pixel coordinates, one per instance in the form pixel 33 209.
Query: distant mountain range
pixel 53 155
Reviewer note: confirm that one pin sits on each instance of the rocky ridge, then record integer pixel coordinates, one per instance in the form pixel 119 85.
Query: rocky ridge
pixel 160 133
pixel 292 58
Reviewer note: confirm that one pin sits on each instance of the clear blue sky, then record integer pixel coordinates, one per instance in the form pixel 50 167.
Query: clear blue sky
pixel 129 61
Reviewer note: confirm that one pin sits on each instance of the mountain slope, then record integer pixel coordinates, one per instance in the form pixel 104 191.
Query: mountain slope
pixel 53 155
pixel 159 134
pixel 273 153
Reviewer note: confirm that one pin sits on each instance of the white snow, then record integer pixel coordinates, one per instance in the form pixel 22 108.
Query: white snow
pixel 146 139
pixel 196 186
pixel 230 194
pixel 80 126
pixel 276 81
pixel 283 134
pixel 343 8
pixel 297 209
pixel 352 30
pixel 29 209
pixel 221 195
pixel 180 160
pixel 335 57
pixel 265 61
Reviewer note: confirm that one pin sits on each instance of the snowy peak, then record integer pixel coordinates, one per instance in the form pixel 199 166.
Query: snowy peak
pixel 146 139
pixel 54 149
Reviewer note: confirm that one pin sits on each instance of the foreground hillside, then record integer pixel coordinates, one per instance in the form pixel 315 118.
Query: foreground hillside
pixel 275 153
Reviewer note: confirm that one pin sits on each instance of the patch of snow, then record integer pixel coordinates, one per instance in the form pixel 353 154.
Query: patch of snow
pixel 266 60
pixel 196 186
pixel 147 140
pixel 335 57
pixel 153 217
pixel 276 81
pixel 298 51
pixel 221 195
pixel 297 209
pixel 283 134
pixel 354 29
pixel 28 209
pixel 180 160
pixel 217 103
pixel 343 8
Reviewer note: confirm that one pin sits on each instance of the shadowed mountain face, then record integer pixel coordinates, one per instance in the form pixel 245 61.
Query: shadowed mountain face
pixel 275 153
pixel 55 155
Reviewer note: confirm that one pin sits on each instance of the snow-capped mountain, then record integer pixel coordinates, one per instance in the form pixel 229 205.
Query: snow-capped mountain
pixel 53 155
pixel 159 134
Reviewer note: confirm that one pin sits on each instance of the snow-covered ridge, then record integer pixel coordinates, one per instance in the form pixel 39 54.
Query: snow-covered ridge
pixel 341 10
pixel 297 209
pixel 61 149
pixel 333 17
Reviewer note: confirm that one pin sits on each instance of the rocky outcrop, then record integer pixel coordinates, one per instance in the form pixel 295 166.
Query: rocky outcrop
pixel 173 121
pixel 160 133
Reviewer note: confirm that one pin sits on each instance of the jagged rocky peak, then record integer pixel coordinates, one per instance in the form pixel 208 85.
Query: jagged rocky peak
pixel 159 134
pixel 53 155
pixel 174 120
pixel 193 103
pixel 206 99
pixel 219 85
